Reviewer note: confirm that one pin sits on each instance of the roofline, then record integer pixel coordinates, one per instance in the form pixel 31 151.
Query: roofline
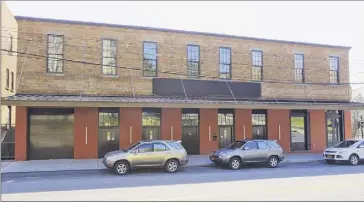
pixel 175 31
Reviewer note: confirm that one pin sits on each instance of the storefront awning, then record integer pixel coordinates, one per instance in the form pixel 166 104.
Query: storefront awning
pixel 173 102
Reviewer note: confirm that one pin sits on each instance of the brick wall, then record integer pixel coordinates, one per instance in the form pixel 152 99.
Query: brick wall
pixel 86 79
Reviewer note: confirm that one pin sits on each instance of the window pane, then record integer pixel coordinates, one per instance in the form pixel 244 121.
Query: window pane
pixel 7 78
pixel 257 73
pixel 175 145
pixel 190 120
pixel 258 119
pixel 257 59
pixel 298 61
pixel 252 145
pixel 225 63
pixel 160 147
pixel 12 80
pixel 150 51
pixel 55 63
pixel 225 119
pixel 151 119
pixel 145 148
pixel 263 145
pixel 108 119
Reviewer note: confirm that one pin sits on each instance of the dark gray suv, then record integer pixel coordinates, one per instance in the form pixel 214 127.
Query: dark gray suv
pixel 249 151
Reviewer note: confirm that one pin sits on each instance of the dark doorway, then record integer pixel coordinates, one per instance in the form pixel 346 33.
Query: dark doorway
pixel 299 130
pixel 259 122
pixel 151 122
pixel 50 133
pixel 190 131
pixel 226 127
pixel 334 127
pixel 108 130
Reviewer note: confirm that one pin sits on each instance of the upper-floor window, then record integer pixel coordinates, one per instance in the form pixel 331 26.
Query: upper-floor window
pixel 108 56
pixel 7 79
pixel 150 59
pixel 55 53
pixel 193 61
pixel 12 81
pixel 11 41
pixel 298 68
pixel 257 65
pixel 225 63
pixel 334 69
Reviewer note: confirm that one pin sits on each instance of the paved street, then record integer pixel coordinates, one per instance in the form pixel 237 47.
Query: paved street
pixel 310 181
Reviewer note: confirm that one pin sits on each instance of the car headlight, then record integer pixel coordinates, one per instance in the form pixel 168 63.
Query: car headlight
pixel 223 155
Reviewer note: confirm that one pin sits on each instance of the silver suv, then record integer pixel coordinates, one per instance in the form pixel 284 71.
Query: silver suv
pixel 249 151
pixel 158 153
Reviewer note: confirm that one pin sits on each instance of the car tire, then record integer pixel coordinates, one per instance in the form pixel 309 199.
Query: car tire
pixel 172 166
pixel 234 163
pixel 330 162
pixel 121 168
pixel 353 160
pixel 273 162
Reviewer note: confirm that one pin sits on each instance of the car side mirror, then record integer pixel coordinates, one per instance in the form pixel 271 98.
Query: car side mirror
pixel 135 152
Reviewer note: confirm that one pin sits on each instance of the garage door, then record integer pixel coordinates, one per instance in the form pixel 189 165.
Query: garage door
pixel 50 134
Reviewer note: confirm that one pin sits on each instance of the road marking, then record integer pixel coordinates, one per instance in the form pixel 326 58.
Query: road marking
pixel 9 181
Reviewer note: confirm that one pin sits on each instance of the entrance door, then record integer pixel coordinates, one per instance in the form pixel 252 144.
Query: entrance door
pixel 190 140
pixel 151 133
pixel 259 132
pixel 108 140
pixel 226 136
pixel 50 134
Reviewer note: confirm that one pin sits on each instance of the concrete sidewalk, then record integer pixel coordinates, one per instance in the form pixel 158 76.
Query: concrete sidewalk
pixel 96 164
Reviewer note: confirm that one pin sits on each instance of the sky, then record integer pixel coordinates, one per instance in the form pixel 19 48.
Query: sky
pixel 336 23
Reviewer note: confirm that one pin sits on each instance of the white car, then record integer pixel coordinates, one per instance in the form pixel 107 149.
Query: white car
pixel 351 150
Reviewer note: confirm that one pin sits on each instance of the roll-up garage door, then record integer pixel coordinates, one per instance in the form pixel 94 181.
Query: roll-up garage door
pixel 51 133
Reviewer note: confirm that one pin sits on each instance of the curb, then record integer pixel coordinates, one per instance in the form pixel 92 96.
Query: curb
pixel 105 169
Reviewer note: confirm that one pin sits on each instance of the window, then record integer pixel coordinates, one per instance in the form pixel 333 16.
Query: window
pixel 193 61
pixel 150 59
pixel 175 145
pixel 158 147
pixel 274 144
pixel 225 119
pixel 11 41
pixel 7 79
pixel 345 144
pixel 190 119
pixel 251 145
pixel 144 148
pixel 334 70
pixel 262 145
pixel 259 124
pixel 225 63
pixel 108 57
pixel 236 145
pixel 257 65
pixel 298 68
pixel 55 54
pixel 151 121
pixel 12 81
pixel 109 117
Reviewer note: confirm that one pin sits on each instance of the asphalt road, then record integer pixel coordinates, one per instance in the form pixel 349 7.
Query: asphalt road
pixel 310 181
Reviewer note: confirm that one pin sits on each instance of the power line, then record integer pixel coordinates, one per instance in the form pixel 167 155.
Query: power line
pixel 37 56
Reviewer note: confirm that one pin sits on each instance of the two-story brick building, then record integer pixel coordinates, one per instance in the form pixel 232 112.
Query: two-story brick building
pixel 87 88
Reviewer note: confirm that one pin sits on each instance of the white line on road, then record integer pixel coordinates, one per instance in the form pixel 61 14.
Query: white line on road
pixel 9 181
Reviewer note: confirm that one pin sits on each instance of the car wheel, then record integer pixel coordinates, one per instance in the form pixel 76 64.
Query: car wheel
pixel 234 163
pixel 121 168
pixel 273 162
pixel 172 166
pixel 354 160
pixel 330 161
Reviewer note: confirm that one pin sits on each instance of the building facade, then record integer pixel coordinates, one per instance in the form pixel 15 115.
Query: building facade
pixel 9 32
pixel 88 88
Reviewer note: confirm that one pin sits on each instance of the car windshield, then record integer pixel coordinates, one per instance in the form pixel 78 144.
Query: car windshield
pixel 236 145
pixel 345 144
pixel 131 147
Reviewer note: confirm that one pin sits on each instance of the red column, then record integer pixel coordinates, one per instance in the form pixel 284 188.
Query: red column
pixel 171 120
pixel 243 119
pixel 208 129
pixel 130 126
pixel 347 121
pixel 21 133
pixel 317 130
pixel 86 133
pixel 279 123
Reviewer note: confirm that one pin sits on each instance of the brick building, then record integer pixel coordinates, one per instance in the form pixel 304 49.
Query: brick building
pixel 107 86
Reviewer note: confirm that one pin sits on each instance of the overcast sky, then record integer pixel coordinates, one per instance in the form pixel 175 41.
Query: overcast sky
pixel 337 23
